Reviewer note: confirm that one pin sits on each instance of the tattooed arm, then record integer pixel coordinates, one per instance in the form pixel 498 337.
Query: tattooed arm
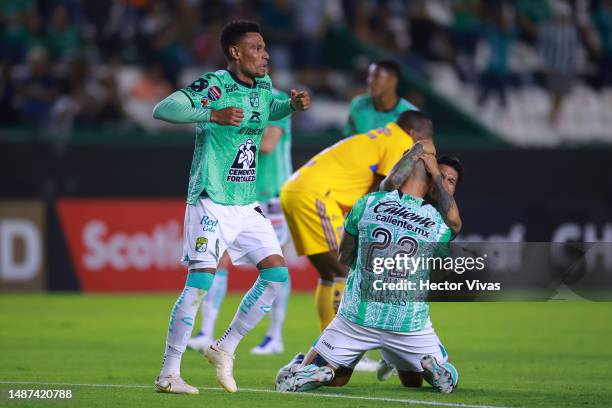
pixel 348 249
pixel 445 202
pixel 402 169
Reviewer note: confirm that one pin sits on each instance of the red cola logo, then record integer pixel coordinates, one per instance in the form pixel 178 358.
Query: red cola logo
pixel 397 209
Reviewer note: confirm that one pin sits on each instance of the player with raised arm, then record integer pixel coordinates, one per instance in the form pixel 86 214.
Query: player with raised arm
pixel 230 108
pixel 451 172
pixel 274 168
pixel 381 104
pixel 447 172
pixel 316 197
pixel 381 225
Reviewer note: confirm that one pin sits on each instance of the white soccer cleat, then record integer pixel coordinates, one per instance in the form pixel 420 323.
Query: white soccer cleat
pixel 200 342
pixel 384 370
pixel 268 346
pixel 443 377
pixel 224 367
pixel 174 385
pixel 299 379
pixel 366 365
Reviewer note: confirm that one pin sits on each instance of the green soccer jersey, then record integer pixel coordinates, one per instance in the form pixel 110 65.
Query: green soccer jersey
pixel 363 116
pixel 225 157
pixel 388 224
pixel 275 167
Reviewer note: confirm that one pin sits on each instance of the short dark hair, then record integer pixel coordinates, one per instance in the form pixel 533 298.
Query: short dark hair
pixel 455 163
pixel 234 31
pixel 416 120
pixel 390 65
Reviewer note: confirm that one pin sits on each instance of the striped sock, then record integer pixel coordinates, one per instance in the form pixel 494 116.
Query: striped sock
pixel 181 321
pixel 254 306
pixel 279 310
pixel 212 302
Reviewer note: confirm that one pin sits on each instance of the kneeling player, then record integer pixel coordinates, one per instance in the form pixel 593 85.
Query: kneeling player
pixel 397 322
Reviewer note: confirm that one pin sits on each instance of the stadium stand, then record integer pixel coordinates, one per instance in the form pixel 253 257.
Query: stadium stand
pixel 461 57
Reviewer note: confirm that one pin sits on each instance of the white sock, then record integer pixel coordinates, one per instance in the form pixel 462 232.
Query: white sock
pixel 278 312
pixel 179 330
pixel 254 306
pixel 212 303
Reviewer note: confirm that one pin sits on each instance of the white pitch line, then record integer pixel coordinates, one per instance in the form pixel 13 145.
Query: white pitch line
pixel 260 390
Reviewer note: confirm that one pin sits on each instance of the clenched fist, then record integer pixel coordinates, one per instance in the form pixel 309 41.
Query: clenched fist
pixel 227 116
pixel 300 101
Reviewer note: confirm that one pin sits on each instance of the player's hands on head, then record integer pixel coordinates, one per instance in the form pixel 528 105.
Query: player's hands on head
pixel 300 100
pixel 227 116
pixel 428 146
pixel 431 164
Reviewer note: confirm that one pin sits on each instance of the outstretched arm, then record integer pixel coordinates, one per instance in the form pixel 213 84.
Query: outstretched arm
pixel 299 101
pixel 178 108
pixel 279 108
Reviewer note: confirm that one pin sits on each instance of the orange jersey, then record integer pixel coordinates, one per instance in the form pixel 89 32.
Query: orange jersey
pixel 345 171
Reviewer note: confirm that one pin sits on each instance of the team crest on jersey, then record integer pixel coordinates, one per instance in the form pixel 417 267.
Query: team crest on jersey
pixel 254 99
pixel 214 93
pixel 201 244
pixel 204 102
pixel 242 169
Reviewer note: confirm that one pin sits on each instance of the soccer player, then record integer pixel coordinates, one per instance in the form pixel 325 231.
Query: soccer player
pixel 274 169
pixel 316 197
pixel 231 108
pixel 451 171
pixel 381 104
pixel 381 225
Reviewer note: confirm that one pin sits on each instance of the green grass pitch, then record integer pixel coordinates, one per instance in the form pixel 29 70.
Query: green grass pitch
pixel 553 354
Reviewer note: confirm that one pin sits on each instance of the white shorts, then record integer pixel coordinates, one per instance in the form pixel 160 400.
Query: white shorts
pixel 343 343
pixel 210 229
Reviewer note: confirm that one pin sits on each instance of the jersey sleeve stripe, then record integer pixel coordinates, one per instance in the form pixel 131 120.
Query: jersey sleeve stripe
pixel 188 97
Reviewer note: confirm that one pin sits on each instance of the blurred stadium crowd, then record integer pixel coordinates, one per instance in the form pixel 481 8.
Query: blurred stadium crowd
pixel 71 63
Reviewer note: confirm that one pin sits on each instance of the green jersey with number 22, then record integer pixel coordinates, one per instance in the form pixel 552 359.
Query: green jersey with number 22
pixel 388 224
